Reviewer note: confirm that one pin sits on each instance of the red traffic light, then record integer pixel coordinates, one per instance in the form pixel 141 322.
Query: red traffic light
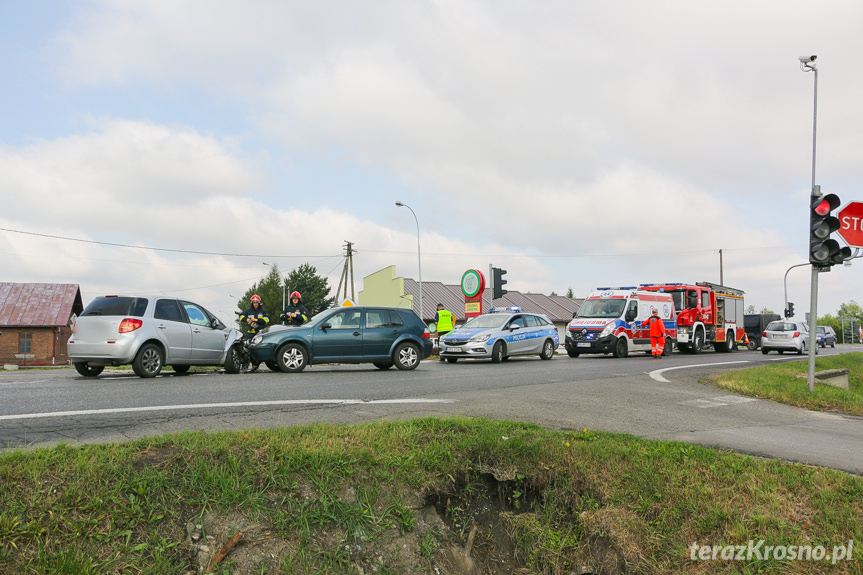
pixel 825 204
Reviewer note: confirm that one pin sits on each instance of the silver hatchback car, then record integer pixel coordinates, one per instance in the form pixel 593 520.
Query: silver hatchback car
pixel 786 335
pixel 502 333
pixel 149 333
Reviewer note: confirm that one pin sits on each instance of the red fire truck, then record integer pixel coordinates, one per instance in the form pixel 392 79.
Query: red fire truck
pixel 709 314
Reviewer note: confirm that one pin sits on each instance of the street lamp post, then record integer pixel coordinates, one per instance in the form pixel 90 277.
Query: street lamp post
pixel 807 64
pixel 785 281
pixel 419 257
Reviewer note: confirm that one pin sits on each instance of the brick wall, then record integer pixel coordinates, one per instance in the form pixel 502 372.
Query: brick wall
pixel 48 345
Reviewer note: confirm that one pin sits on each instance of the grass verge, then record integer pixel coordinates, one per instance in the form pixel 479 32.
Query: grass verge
pixel 780 383
pixel 420 496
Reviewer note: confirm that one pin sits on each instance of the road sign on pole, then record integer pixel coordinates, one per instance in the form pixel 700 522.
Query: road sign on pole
pixel 851 224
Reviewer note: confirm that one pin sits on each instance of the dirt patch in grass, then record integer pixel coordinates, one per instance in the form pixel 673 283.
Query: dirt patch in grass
pixel 461 531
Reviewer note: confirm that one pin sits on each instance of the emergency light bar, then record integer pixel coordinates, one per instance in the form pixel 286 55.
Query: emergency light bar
pixel 512 309
pixel 671 284
pixel 617 288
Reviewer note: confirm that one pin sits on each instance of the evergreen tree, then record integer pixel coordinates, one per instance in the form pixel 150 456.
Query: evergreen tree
pixel 312 287
pixel 569 293
pixel 270 290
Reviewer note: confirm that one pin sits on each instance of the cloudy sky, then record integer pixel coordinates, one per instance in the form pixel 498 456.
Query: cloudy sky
pixel 174 146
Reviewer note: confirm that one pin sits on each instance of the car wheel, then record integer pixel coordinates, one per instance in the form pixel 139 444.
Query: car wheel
pixel 667 349
pixel 752 345
pixel 764 350
pixel 833 345
pixel 497 352
pixel 547 350
pixel 382 364
pixel 780 351
pixel 802 349
pixel 571 353
pixel 698 342
pixel 233 361
pixel 292 358
pixel 148 362
pixel 451 359
pixel 272 365
pixel 88 370
pixel 181 369
pixel 406 356
pixel 621 349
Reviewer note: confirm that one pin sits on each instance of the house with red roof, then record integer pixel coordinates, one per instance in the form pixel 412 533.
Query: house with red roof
pixel 36 321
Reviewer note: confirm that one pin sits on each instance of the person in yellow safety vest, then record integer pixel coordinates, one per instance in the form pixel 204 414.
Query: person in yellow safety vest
pixel 657 334
pixel 445 322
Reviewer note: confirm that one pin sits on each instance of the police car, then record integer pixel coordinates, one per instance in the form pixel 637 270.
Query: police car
pixel 500 334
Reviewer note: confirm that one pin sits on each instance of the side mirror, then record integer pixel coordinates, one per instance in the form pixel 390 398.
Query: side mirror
pixel 514 327
pixel 216 324
pixel 630 315
pixel 325 327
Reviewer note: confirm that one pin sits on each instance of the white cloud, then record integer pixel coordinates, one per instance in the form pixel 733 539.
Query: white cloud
pixel 574 143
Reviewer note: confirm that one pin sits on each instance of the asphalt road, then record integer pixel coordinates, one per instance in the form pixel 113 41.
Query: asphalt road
pixel 660 399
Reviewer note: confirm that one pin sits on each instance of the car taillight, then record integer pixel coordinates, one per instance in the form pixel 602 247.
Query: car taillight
pixel 426 334
pixel 130 324
pixel 796 334
pixel 764 334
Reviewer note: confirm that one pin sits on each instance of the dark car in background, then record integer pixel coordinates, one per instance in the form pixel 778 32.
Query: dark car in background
pixel 382 336
pixel 825 336
pixel 755 324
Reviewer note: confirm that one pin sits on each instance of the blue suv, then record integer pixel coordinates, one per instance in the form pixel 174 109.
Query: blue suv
pixel 826 336
pixel 381 336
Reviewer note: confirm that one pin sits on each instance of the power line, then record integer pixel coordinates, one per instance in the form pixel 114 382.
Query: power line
pixel 163 249
pixel 428 254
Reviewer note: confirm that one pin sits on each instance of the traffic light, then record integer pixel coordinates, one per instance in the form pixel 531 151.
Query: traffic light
pixel 823 250
pixel 497 290
pixel 790 311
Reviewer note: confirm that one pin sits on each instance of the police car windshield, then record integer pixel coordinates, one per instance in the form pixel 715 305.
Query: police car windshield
pixel 602 308
pixel 487 321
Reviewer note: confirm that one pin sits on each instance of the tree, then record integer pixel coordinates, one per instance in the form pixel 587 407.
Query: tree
pixel 569 293
pixel 852 314
pixel 270 290
pixel 312 287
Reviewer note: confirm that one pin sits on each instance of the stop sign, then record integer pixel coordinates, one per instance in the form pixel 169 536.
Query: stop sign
pixel 851 224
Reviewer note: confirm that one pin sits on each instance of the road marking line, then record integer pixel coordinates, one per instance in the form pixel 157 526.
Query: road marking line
pixel 719 401
pixel 657 374
pixel 216 405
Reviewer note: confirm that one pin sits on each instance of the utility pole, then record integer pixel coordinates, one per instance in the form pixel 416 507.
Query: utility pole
pixel 348 268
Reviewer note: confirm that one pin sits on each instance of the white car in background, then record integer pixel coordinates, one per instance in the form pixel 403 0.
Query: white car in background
pixel 786 335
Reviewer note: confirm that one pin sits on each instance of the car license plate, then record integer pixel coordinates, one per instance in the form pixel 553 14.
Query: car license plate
pixel 453 350
pixel 583 344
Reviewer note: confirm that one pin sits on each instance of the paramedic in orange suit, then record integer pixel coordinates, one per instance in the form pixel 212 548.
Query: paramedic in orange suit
pixel 657 334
